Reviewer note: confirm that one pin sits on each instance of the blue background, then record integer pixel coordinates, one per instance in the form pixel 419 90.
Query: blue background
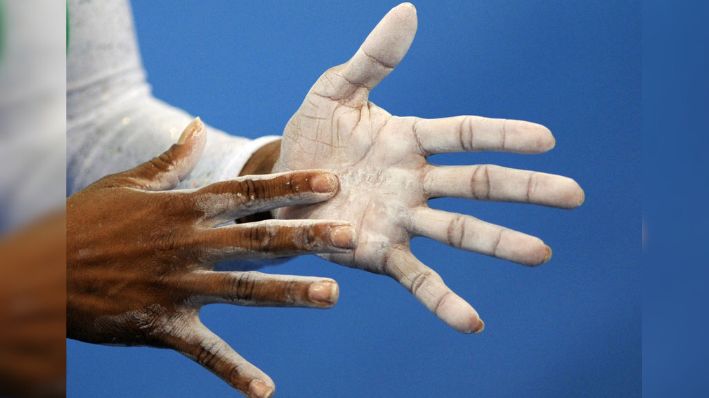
pixel 569 328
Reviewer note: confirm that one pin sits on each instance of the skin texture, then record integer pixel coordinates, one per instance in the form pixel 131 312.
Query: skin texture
pixel 140 257
pixel 385 179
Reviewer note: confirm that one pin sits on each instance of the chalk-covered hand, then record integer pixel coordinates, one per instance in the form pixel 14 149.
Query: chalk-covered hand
pixel 385 179
pixel 140 257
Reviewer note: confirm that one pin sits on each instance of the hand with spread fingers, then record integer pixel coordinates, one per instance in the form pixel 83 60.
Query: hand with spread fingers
pixel 385 179
pixel 140 257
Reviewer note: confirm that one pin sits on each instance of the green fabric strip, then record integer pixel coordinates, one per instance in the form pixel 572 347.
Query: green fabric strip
pixel 2 29
pixel 67 26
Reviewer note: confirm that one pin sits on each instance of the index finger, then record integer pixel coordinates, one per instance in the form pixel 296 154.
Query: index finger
pixel 229 200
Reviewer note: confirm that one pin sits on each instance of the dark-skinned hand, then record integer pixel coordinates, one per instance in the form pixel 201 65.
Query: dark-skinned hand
pixel 140 256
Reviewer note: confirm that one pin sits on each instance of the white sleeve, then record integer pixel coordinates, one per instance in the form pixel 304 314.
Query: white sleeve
pixel 32 110
pixel 113 121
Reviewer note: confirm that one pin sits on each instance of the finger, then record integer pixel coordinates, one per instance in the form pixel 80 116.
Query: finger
pixel 172 166
pixel 258 289
pixel 236 198
pixel 384 48
pixel 490 182
pixel 469 233
pixel 428 287
pixel 474 133
pixel 380 53
pixel 200 344
pixel 276 238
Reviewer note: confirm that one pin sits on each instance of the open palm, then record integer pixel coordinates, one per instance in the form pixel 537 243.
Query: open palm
pixel 386 181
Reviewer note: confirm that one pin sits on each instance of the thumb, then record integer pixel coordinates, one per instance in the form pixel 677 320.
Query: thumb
pixel 165 171
pixel 381 52
pixel 384 48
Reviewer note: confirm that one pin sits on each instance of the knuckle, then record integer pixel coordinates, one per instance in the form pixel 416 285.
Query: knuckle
pixel 455 233
pixel 249 189
pixel 293 183
pixel 243 286
pixel 421 279
pixel 182 204
pixel 480 182
pixel 206 353
pixel 272 188
pixel 262 238
pixel 166 160
pixel 447 295
pixel 310 237
pixel 293 292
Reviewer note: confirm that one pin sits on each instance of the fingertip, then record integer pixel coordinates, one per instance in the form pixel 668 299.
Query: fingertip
pixel 260 389
pixel 335 294
pixel 522 248
pixel 539 136
pixel 325 292
pixel 479 327
pixel 459 315
pixel 407 6
pixel 581 196
pixel 551 144
pixel 547 255
pixel 539 255
pixel 571 193
pixel 528 137
pixel 547 140
pixel 406 12
pixel 325 183
pixel 193 131
pixel 343 237
pixel 391 38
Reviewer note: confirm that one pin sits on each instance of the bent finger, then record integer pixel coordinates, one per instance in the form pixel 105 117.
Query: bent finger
pixel 229 200
pixel 472 234
pixel 276 238
pixel 428 287
pixel 200 344
pixel 475 133
pixel 168 169
pixel 491 182
pixel 259 289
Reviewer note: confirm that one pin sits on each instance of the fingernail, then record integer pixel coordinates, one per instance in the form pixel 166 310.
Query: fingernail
pixel 259 389
pixel 343 237
pixel 194 128
pixel 548 254
pixel 324 292
pixel 479 327
pixel 324 183
pixel 582 197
